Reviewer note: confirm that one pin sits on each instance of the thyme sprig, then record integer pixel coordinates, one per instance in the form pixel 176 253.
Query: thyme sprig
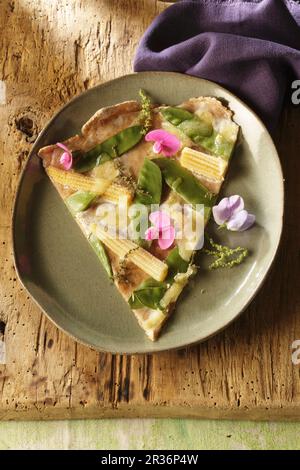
pixel 122 274
pixel 225 257
pixel 145 116
pixel 125 177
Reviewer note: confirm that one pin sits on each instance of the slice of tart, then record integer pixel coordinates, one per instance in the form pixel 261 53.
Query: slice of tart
pixel 114 173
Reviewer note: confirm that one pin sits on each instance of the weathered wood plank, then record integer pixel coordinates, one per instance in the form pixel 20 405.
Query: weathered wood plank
pixel 49 52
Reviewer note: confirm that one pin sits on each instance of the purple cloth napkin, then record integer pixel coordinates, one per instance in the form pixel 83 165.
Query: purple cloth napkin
pixel 252 47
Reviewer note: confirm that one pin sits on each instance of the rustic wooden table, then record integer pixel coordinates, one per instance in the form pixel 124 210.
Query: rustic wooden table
pixel 49 52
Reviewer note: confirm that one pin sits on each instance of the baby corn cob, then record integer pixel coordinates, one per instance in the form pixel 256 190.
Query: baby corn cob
pixel 77 181
pixel 127 249
pixel 115 192
pixel 203 164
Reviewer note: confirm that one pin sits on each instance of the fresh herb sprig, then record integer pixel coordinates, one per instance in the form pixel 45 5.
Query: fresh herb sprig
pixel 145 116
pixel 225 257
pixel 122 274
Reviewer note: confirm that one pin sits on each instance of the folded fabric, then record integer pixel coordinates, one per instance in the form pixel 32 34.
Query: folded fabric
pixel 252 47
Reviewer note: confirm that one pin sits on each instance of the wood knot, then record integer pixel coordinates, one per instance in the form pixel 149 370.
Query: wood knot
pixel 27 126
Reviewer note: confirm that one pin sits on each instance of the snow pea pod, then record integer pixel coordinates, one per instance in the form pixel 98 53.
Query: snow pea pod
pixel 148 192
pixel 192 125
pixel 149 184
pixel 176 115
pixel 199 130
pixel 218 145
pixel 80 201
pixel 184 183
pixel 99 249
pixel 111 148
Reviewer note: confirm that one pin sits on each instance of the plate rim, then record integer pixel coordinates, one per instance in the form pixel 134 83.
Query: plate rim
pixel 184 344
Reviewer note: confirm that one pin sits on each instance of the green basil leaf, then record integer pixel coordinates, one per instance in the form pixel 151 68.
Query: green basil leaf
pixel 149 184
pixel 176 264
pixel 184 183
pixel 111 148
pixel 134 302
pixel 148 294
pixel 80 201
pixel 99 249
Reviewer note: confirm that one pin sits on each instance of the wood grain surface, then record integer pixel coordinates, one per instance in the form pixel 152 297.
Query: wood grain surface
pixel 50 52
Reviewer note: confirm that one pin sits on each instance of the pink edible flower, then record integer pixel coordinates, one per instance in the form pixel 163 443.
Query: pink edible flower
pixel 66 159
pixel 230 212
pixel 161 230
pixel 164 142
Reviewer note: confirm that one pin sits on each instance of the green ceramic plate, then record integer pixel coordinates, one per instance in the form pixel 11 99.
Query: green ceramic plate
pixel 61 272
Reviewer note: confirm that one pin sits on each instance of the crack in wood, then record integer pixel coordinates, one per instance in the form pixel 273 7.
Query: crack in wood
pixel 148 375
pixel 38 333
pixel 124 382
pixel 2 328
pixel 112 381
pixel 127 386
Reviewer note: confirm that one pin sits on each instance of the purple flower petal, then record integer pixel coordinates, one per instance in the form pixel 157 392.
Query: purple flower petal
pixel 166 237
pixel 227 207
pixel 63 146
pixel 237 221
pixel 249 222
pixel 221 212
pixel 156 135
pixel 241 221
pixel 66 159
pixel 157 147
pixel 164 142
pixel 235 204
pixel 161 229
pixel 151 233
pixel 160 219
